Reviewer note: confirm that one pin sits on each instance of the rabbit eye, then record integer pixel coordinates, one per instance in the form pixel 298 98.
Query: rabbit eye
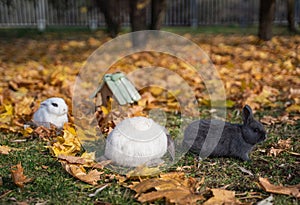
pixel 256 130
pixel 54 104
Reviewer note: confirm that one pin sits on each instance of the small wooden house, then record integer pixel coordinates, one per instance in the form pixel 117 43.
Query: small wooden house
pixel 118 86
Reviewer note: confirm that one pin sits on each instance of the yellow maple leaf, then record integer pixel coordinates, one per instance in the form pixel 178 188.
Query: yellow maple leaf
pixel 7 116
pixel 27 131
pixel 68 145
pixel 293 108
pixel 23 106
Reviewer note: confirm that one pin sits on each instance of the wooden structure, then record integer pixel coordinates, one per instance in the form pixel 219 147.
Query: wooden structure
pixel 118 86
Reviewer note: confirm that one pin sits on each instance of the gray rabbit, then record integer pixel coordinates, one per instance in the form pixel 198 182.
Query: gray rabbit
pixel 236 140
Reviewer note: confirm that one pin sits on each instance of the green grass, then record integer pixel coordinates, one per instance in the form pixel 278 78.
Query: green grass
pixel 52 185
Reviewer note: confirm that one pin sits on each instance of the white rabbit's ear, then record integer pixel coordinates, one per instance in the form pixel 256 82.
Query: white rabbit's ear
pixel 44 104
pixel 247 114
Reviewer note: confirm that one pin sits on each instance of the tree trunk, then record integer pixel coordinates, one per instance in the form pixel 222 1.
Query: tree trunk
pixel 291 15
pixel 158 10
pixel 138 14
pixel 266 17
pixel 138 20
pixel 111 15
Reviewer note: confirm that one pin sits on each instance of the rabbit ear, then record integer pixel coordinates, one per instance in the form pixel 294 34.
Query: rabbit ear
pixel 247 114
pixel 44 104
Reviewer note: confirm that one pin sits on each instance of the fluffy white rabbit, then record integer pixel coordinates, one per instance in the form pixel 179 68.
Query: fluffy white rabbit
pixel 53 110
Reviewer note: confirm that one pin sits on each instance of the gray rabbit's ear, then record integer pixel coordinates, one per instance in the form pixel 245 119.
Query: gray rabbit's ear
pixel 247 114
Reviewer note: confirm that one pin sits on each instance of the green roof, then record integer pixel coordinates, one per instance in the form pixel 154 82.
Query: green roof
pixel 121 87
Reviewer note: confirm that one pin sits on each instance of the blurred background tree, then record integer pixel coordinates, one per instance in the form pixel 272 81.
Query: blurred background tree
pixel 151 14
pixel 266 17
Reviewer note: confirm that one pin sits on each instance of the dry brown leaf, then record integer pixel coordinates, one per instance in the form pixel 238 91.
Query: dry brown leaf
pixel 42 132
pixel 266 97
pixel 174 186
pixel 285 144
pixel 79 172
pixel 177 196
pixel 102 164
pixel 287 190
pixel 274 152
pixel 72 159
pixel 17 173
pixel 268 120
pixel 5 149
pixel 222 196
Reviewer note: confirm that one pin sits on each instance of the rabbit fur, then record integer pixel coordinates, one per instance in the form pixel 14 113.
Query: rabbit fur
pixel 237 140
pixel 53 110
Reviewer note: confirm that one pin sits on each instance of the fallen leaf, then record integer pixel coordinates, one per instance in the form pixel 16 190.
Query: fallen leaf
pixel 80 173
pixel 285 144
pixel 266 97
pixel 102 164
pixel 72 159
pixel 222 196
pixel 274 152
pixel 7 116
pixel 45 167
pixel 293 108
pixel 23 107
pixel 268 120
pixel 5 149
pixel 42 132
pixel 174 186
pixel 177 196
pixel 69 144
pixel 287 190
pixel 18 176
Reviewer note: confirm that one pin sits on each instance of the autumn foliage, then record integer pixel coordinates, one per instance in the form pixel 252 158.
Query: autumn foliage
pixel 264 75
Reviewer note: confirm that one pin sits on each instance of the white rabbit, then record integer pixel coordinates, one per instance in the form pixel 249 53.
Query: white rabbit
pixel 53 110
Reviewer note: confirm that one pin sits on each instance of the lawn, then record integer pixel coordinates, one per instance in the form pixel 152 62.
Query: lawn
pixel 265 75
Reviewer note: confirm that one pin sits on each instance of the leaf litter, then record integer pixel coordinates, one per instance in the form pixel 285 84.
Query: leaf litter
pixel 264 75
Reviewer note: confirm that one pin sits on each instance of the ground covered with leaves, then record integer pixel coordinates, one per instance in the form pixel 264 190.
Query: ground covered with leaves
pixel 44 166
